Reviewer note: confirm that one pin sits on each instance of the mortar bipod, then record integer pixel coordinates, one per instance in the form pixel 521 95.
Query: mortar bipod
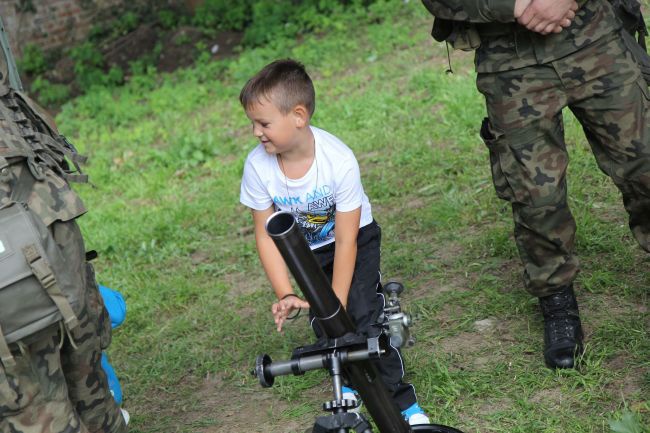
pixel 332 355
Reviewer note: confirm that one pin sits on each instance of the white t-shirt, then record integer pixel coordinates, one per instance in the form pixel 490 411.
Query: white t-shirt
pixel 332 183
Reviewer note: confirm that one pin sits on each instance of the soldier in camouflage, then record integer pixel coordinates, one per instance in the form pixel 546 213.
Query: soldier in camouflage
pixel 536 58
pixel 55 383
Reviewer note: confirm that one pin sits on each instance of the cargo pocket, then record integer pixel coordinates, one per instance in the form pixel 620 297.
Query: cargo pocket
pixel 491 137
pixel 528 164
pixel 33 377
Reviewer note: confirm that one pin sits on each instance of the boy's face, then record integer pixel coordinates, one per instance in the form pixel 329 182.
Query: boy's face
pixel 276 131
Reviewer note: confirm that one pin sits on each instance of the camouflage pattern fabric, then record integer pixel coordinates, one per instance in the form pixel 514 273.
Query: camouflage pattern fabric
pixel 52 198
pixel 527 79
pixel 602 86
pixel 510 46
pixel 521 48
pixel 33 393
pixel 56 386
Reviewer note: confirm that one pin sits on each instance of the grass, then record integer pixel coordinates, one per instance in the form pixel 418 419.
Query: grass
pixel 166 158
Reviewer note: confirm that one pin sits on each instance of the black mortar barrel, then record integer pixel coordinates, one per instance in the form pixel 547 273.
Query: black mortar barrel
pixel 333 320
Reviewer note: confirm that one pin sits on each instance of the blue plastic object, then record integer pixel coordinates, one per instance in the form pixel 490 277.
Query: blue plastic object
pixel 115 305
pixel 116 308
pixel 113 381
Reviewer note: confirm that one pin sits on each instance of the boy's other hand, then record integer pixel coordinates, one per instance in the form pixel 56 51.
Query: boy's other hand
pixel 285 307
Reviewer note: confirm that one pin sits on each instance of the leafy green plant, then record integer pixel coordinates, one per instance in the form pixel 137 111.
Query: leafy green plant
pixel 182 39
pixel 88 64
pixel 114 76
pixel 263 22
pixel 89 67
pixel 223 14
pixel 126 23
pixel 202 53
pixel 33 60
pixel 48 93
pixel 168 19
pixel 194 148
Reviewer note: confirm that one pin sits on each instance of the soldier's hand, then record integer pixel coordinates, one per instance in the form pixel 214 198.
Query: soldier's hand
pixel 547 16
pixel 520 7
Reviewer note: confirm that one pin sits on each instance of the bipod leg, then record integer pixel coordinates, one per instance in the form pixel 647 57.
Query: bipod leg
pixel 340 421
pixel 338 405
pixel 336 371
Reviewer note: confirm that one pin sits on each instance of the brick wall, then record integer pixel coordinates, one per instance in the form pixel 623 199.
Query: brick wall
pixel 58 23
pixel 50 23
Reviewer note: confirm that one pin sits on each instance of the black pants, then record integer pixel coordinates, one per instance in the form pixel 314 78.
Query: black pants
pixel 365 304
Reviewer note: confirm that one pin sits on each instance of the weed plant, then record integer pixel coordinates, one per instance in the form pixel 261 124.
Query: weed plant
pixel 166 155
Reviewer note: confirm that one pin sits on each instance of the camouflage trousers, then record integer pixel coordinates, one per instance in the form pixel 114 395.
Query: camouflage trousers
pixel 57 386
pixel 524 132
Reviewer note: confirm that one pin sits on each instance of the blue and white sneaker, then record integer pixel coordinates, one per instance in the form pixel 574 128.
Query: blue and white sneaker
pixel 415 415
pixel 351 394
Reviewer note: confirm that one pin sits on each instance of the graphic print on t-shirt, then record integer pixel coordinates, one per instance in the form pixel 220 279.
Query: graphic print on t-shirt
pixel 314 213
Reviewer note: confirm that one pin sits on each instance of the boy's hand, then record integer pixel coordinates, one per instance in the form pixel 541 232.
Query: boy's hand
pixel 285 307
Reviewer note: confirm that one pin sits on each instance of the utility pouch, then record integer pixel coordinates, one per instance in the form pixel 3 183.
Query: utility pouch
pixel 464 36
pixel 442 29
pixel 35 288
pixel 460 35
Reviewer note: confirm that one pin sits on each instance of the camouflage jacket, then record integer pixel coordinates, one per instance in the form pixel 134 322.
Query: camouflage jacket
pixel 506 45
pixel 30 141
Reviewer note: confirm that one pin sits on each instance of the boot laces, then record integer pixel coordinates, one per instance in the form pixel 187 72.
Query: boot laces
pixel 562 328
pixel 561 315
pixel 559 305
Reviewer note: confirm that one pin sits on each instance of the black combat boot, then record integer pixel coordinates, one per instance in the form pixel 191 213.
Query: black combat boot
pixel 562 329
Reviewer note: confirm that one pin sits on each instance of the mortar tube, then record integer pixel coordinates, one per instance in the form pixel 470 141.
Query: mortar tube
pixel 326 307
pixel 333 319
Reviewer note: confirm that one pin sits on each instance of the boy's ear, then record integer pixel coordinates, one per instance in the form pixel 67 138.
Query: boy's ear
pixel 301 115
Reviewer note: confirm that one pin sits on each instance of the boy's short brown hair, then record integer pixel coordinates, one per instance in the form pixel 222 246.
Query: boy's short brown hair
pixel 285 83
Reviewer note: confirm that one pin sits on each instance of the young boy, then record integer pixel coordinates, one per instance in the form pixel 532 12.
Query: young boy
pixel 312 174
